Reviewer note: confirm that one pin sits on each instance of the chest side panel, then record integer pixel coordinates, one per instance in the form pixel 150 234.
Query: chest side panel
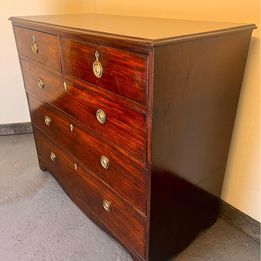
pixel 196 89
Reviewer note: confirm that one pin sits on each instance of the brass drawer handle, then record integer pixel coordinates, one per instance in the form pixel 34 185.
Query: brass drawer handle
pixel 101 116
pixel 47 120
pixel 106 205
pixel 34 45
pixel 97 67
pixel 40 83
pixel 105 162
pixel 52 156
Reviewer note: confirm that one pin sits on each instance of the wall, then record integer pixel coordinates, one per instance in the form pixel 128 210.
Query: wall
pixel 242 180
pixel 13 105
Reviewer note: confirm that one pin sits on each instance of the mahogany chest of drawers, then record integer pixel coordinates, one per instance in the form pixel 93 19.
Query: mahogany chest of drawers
pixel 134 117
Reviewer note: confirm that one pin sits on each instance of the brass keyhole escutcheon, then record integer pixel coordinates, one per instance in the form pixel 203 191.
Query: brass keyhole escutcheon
pixel 75 166
pixel 97 67
pixel 105 162
pixel 65 86
pixel 47 120
pixel 40 83
pixel 101 116
pixel 106 205
pixel 52 156
pixel 71 127
pixel 34 45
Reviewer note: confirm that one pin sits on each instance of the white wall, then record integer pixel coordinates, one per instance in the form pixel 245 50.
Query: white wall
pixel 13 105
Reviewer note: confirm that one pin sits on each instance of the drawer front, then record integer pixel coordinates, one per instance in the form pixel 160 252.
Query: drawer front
pixel 121 173
pixel 123 73
pixel 93 196
pixel 40 47
pixel 124 127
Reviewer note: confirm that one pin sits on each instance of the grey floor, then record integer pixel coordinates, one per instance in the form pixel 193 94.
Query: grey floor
pixel 39 222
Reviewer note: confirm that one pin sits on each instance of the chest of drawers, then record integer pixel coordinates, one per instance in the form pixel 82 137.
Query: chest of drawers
pixel 134 117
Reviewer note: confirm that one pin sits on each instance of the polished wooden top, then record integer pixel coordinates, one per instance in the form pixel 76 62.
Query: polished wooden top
pixel 150 30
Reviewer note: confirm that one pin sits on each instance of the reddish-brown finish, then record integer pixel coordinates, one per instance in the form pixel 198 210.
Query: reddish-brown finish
pixel 48 54
pixel 170 102
pixel 124 73
pixel 123 175
pixel 124 223
pixel 124 127
pixel 193 118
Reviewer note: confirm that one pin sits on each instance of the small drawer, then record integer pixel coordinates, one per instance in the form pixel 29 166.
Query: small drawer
pixel 118 71
pixel 40 47
pixel 107 117
pixel 121 172
pixel 92 196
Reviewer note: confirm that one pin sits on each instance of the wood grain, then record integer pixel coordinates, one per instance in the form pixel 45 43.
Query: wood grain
pixel 124 127
pixel 124 175
pixel 125 73
pixel 126 225
pixel 48 55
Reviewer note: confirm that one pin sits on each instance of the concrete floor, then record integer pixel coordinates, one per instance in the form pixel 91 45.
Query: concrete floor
pixel 39 222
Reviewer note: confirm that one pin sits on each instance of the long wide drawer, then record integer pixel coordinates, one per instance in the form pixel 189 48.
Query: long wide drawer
pixel 40 47
pixel 123 126
pixel 122 173
pixel 92 196
pixel 121 72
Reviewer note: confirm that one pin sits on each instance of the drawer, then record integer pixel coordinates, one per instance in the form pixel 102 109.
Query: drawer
pixel 124 127
pixel 95 198
pixel 120 172
pixel 123 72
pixel 40 47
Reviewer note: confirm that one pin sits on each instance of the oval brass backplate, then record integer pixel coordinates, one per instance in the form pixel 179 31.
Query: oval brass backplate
pixel 104 162
pixel 47 120
pixel 101 116
pixel 97 66
pixel 52 156
pixel 106 205
pixel 40 83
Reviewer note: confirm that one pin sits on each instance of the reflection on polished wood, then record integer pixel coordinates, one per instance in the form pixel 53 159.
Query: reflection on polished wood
pixel 89 194
pixel 122 173
pixel 145 28
pixel 124 126
pixel 134 116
